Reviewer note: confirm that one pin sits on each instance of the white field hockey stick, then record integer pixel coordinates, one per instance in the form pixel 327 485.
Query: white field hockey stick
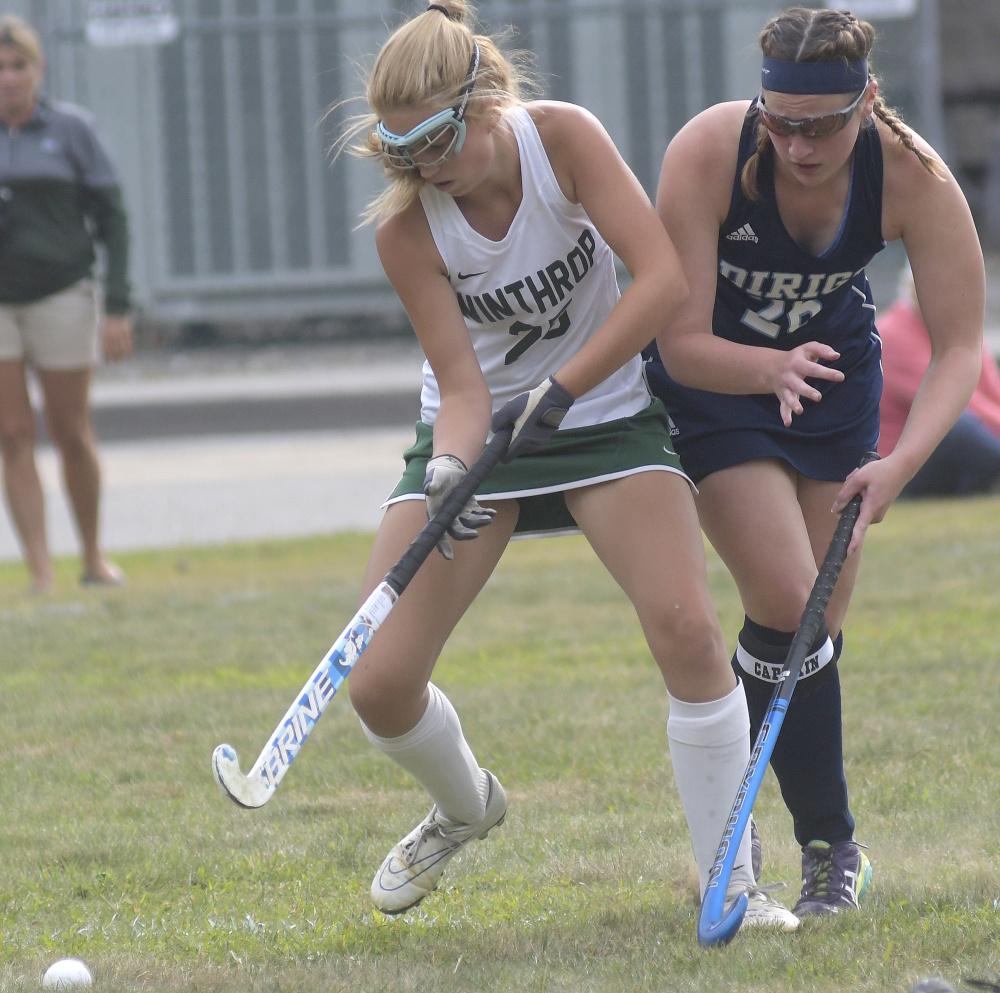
pixel 715 924
pixel 258 786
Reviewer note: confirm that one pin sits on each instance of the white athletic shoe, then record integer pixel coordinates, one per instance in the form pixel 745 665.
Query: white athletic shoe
pixel 414 866
pixel 763 910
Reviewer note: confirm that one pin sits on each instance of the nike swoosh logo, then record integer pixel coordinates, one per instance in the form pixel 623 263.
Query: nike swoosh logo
pixel 469 275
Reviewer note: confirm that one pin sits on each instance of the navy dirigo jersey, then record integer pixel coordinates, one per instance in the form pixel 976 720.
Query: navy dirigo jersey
pixel 772 293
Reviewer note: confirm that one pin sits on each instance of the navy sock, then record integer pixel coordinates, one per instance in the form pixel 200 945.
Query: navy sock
pixel 808 758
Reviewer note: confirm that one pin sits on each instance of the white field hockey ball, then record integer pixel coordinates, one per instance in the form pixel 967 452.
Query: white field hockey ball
pixel 67 974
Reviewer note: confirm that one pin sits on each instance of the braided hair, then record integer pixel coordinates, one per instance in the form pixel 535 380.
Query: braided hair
pixel 802 34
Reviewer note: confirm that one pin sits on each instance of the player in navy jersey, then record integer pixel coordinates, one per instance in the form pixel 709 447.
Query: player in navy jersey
pixel 776 206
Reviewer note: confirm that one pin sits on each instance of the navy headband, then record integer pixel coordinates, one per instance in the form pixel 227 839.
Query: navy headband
pixel 813 77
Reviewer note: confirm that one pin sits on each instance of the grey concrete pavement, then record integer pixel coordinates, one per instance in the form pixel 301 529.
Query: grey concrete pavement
pixel 236 444
pixel 195 491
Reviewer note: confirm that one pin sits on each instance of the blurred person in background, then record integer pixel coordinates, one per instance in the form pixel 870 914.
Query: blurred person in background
pixel 59 199
pixel 967 460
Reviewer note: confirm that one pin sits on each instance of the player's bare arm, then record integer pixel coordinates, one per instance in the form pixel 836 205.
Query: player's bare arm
pixel 592 173
pixel 947 264
pixel 948 272
pixel 418 275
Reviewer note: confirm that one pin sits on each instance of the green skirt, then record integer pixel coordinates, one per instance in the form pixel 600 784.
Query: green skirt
pixel 570 459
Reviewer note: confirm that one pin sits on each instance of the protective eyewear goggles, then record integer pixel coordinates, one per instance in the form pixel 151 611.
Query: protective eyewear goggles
pixel 809 127
pixel 435 140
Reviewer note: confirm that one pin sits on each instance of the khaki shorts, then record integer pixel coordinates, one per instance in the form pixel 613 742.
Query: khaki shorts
pixel 56 332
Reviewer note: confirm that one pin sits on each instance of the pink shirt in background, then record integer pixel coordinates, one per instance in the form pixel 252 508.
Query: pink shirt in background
pixel 906 353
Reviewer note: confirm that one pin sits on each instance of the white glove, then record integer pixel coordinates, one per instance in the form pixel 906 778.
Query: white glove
pixel 444 473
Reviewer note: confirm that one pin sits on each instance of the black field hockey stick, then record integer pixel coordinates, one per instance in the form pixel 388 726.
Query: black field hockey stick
pixel 715 924
pixel 258 786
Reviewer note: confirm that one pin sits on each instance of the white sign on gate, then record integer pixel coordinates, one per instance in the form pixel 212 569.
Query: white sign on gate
pixel 864 9
pixel 131 22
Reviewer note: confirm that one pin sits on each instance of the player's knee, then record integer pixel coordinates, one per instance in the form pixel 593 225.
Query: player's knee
pixel 688 634
pixel 779 604
pixel 17 435
pixel 380 696
pixel 368 695
pixel 75 440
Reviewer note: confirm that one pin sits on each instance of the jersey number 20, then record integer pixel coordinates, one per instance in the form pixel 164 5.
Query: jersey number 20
pixel 766 321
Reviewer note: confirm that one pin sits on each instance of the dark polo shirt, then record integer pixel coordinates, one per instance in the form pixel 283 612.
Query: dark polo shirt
pixel 59 195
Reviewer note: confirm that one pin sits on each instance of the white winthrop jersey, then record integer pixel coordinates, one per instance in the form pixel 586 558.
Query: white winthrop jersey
pixel 533 299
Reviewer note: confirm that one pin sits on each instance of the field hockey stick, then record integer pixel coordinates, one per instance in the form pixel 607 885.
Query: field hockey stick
pixel 258 786
pixel 715 925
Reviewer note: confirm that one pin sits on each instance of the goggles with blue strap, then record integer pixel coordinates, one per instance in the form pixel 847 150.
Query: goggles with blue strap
pixel 438 138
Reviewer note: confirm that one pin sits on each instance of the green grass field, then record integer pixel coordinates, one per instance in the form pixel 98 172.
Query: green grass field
pixel 117 847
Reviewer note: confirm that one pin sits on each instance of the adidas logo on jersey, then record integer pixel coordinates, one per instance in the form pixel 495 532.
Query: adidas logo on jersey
pixel 744 233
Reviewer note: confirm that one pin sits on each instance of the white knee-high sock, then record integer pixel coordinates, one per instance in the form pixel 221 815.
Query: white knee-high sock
pixel 437 755
pixel 709 750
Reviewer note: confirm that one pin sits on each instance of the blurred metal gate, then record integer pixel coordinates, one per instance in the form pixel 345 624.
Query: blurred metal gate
pixel 222 136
